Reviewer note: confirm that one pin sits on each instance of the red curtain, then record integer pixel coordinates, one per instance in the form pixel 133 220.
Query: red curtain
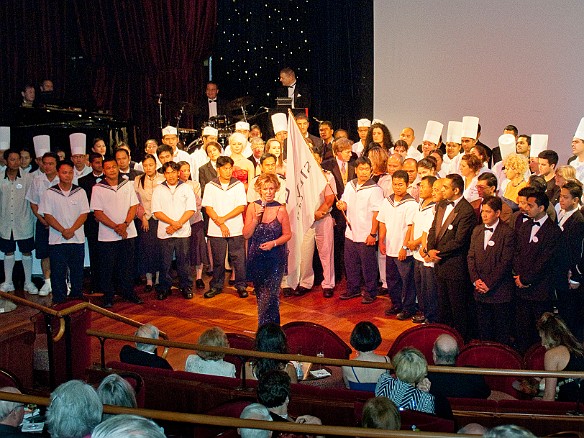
pixel 140 48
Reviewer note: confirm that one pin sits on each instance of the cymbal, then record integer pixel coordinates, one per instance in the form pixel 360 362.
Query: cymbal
pixel 239 102
pixel 187 107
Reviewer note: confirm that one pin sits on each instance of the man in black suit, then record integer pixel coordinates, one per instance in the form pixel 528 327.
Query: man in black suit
pixel 448 243
pixel 144 354
pixel 257 149
pixel 536 264
pixel 303 125
pixel 213 105
pixel 444 353
pixel 490 260
pixel 298 91
pixel 569 292
pixel 343 171
pixel 325 130
pixel 91 226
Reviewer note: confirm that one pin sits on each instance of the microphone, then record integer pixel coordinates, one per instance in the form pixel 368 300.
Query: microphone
pixel 262 214
pixel 159 97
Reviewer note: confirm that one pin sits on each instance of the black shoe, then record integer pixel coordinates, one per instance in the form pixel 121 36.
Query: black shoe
pixel 231 282
pixel 287 292
pixel 200 284
pixel 382 291
pixel 327 293
pixel 148 288
pixel 162 294
pixel 348 295
pixel 187 293
pixel 301 290
pixel 242 292
pixel 393 310
pixel 212 292
pixel 403 315
pixel 367 299
pixel 134 299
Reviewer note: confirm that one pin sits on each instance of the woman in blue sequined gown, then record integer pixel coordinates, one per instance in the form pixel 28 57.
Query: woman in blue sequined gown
pixel 268 229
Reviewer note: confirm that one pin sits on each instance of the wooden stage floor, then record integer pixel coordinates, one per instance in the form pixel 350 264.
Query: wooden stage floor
pixel 184 320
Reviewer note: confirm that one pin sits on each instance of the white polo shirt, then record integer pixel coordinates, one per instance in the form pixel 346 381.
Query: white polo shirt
pixel 65 207
pixel 114 202
pixel 173 202
pixel 422 223
pixel 224 198
pixel 39 186
pixel 16 217
pixel 253 196
pixel 397 216
pixel 361 202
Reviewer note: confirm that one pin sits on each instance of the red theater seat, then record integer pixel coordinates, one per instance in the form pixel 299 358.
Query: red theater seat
pixel 309 339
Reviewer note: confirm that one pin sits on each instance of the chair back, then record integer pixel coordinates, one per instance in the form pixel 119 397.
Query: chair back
pixel 244 342
pixel 423 337
pixel 9 379
pixel 311 339
pixel 232 408
pixel 485 354
pixel 533 357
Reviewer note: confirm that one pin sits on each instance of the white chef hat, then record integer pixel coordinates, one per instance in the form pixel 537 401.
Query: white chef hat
pixel 4 138
pixel 242 126
pixel 470 126
pixel 77 141
pixel 507 145
pixel 580 131
pixel 378 121
pixel 433 131
pixel 454 133
pixel 42 145
pixel 363 123
pixel 169 130
pixel 279 122
pixel 209 130
pixel 539 143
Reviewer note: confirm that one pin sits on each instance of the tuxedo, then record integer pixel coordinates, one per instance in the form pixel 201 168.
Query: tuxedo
pixel 131 175
pixel 537 264
pixel 506 211
pixel 553 191
pixel 256 165
pixel 451 236
pixel 493 265
pixel 134 356
pixel 302 98
pixel 496 157
pixel 221 107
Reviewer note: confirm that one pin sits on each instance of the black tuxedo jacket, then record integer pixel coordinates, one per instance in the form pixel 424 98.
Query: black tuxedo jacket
pixel 256 165
pixel 91 226
pixel 573 242
pixel 494 264
pixel 207 173
pixel 537 263
pixel 302 98
pixel 134 356
pixel 452 239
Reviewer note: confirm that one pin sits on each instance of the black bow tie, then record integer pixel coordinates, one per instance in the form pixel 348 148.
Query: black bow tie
pixel 291 86
pixel 212 100
pixel 536 224
pixel 489 229
pixel 450 203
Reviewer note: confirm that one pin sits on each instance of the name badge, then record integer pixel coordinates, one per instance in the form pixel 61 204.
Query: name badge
pixel 491 243
pixel 450 227
pixel 18 186
pixel 535 239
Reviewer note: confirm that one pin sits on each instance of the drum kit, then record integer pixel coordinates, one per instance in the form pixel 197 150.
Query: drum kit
pixel 224 124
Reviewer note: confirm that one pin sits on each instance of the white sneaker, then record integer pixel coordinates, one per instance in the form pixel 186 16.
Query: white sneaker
pixel 31 288
pixel 45 290
pixel 7 287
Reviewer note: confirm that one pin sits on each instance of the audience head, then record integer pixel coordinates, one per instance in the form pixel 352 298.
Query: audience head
pixel 365 337
pixel 74 410
pixel 128 426
pixel 410 365
pixel 116 391
pixel 270 338
pixel 565 173
pixel 11 413
pixel 213 337
pixel 445 350
pixel 381 413
pixel 508 431
pixel 147 331
pixel 472 429
pixel 255 411
pixel 274 389
pixel 554 332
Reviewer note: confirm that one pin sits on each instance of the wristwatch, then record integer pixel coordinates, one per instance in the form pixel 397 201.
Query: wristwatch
pixel 405 247
pixel 373 235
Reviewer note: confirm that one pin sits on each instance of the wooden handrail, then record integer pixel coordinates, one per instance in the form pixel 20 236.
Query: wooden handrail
pixel 335 362
pixel 60 314
pixel 213 420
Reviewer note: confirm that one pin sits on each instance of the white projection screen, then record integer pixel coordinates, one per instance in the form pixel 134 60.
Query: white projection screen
pixel 517 62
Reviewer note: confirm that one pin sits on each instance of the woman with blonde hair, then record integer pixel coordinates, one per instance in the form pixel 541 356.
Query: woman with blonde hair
pixel 563 353
pixel 515 167
pixel 565 173
pixel 211 362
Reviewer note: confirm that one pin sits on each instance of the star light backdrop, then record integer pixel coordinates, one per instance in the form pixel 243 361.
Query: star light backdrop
pixel 328 43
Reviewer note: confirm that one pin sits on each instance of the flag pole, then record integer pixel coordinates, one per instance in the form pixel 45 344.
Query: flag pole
pixel 325 177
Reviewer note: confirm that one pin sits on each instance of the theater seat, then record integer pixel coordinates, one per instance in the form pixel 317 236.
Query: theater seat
pixel 309 339
pixel 485 354
pixel 533 357
pixel 232 408
pixel 242 342
pixel 423 337
pixel 9 379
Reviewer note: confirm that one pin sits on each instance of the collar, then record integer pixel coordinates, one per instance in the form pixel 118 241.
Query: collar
pixel 17 173
pixel 456 201
pixel 165 183
pixel 494 226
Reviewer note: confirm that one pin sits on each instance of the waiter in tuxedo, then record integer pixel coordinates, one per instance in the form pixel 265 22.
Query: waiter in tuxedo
pixel 490 261
pixel 448 244
pixel 298 91
pixel 213 105
pixel 343 171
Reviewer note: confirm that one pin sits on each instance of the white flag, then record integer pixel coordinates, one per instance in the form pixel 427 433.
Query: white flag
pixel 304 183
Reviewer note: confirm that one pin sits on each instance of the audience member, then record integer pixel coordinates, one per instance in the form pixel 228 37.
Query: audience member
pixel 508 431
pixel 270 338
pixel 11 415
pixel 144 354
pixel 114 390
pixel 124 426
pixel 211 362
pixel 381 413
pixel 255 411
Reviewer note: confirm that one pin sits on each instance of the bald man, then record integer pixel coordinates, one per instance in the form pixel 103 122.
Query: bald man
pixel 11 415
pixel 445 352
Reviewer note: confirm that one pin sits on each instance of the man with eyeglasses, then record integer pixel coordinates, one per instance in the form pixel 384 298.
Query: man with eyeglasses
pixel 11 415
